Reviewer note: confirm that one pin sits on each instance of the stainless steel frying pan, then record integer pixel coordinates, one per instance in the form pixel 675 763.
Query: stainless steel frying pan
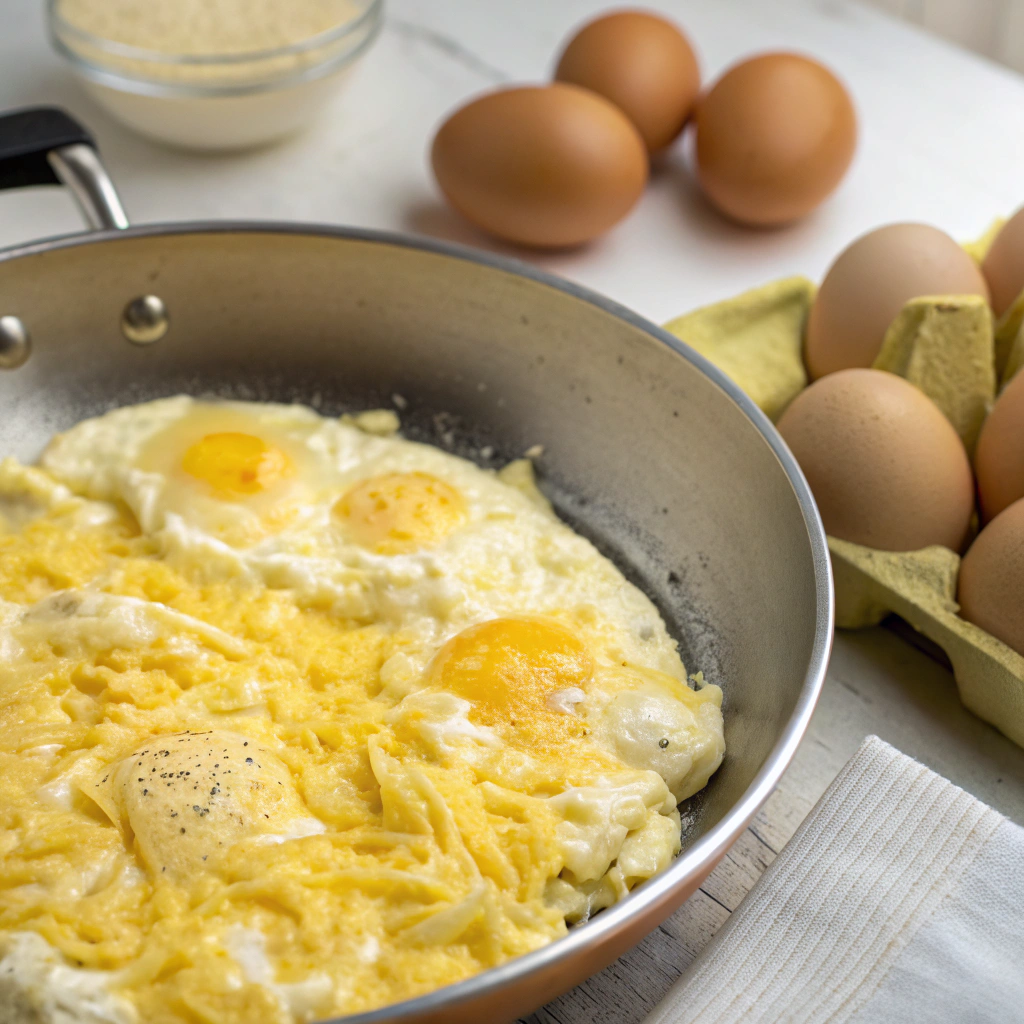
pixel 647 449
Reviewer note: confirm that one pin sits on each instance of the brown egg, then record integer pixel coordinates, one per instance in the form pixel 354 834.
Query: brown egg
pixel 547 166
pixel 886 468
pixel 871 281
pixel 775 136
pixel 991 584
pixel 1003 266
pixel 999 456
pixel 643 64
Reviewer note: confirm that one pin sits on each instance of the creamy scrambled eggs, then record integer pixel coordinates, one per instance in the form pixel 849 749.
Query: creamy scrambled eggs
pixel 299 718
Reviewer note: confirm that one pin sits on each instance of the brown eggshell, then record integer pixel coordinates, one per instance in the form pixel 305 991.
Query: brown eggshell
pixel 999 456
pixel 990 588
pixel 1003 266
pixel 640 62
pixel 886 468
pixel 775 136
pixel 871 281
pixel 545 166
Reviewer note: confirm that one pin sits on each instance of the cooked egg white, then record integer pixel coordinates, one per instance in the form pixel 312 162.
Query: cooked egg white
pixel 299 718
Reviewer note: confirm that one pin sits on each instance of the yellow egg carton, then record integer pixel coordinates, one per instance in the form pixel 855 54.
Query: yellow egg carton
pixel 950 348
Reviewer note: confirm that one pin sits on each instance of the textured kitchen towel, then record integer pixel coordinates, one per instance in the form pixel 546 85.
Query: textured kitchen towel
pixel 900 900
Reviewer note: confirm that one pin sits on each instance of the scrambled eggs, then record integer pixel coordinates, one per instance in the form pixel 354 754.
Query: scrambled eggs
pixel 299 718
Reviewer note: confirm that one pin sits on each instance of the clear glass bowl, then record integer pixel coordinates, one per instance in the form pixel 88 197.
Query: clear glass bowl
pixel 231 99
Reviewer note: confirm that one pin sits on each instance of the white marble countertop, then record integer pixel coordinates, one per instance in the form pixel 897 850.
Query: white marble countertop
pixel 942 141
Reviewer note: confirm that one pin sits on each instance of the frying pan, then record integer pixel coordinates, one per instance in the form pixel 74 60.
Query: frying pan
pixel 647 449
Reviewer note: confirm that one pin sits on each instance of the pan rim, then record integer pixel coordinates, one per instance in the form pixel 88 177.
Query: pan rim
pixel 709 848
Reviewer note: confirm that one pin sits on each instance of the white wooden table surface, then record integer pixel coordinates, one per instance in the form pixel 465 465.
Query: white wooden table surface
pixel 942 141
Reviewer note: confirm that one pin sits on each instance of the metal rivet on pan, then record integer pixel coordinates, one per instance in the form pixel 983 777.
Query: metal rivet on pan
pixel 145 320
pixel 15 343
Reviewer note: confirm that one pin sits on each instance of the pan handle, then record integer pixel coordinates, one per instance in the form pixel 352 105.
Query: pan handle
pixel 46 146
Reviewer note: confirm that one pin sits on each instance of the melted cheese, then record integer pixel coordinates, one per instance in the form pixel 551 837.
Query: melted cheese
pixel 361 752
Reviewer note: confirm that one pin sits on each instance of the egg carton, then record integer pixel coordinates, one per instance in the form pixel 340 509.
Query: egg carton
pixel 949 347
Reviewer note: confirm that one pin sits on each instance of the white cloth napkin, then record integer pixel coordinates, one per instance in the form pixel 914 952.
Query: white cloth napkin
pixel 900 900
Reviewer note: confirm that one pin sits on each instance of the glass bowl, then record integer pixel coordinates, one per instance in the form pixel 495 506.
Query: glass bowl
pixel 220 87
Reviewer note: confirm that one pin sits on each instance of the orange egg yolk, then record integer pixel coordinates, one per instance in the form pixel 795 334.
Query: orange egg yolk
pixel 236 464
pixel 400 512
pixel 509 668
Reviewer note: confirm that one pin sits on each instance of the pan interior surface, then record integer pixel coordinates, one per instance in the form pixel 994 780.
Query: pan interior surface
pixel 640 448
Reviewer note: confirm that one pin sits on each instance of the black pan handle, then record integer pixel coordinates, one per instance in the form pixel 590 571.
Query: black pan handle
pixel 26 139
pixel 47 146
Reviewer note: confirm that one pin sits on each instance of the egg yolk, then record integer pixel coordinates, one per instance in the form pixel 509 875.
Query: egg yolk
pixel 190 796
pixel 236 464
pixel 509 668
pixel 400 512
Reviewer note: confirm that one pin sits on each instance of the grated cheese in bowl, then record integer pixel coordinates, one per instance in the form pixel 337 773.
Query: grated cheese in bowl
pixel 198 27
pixel 213 74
